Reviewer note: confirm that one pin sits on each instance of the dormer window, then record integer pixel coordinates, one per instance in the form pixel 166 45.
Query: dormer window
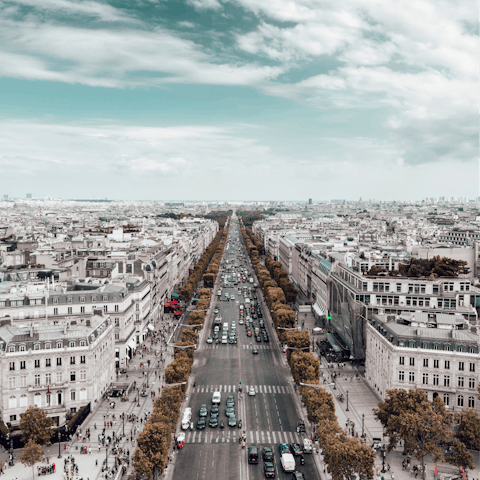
pixel 11 348
pixel 36 346
pixel 71 344
pixel 55 300
pixel 105 298
pixel 82 343
pixel 94 298
pixel 69 299
pixel 82 299
pixel 22 348
pixel 48 345
pixel 59 345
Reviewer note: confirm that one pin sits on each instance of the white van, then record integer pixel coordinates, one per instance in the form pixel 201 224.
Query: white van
pixel 288 462
pixel 307 446
pixel 225 326
pixel 217 398
pixel 247 302
pixel 187 417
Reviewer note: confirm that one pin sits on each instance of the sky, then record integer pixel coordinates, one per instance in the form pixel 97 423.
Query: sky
pixel 239 99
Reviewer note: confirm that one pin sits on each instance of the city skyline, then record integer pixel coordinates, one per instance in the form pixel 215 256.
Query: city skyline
pixel 219 99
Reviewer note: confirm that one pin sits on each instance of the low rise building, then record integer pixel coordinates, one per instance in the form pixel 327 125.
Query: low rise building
pixel 435 352
pixel 59 368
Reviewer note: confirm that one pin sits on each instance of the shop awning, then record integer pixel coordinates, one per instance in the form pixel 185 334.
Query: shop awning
pixel 336 347
pixel 150 327
pixel 167 304
pixel 174 295
pixel 132 343
pixel 173 302
pixel 178 312
pixel 319 310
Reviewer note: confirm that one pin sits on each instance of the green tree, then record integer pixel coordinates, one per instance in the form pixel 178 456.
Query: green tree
pixel 36 426
pixel 32 453
pixel 468 430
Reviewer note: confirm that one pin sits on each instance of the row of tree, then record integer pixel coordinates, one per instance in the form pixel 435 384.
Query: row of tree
pixel 424 425
pixel 186 291
pixel 281 277
pixel 153 443
pixel 344 456
pixel 249 217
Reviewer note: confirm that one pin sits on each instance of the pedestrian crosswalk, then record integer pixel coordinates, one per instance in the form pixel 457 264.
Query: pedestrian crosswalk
pixel 258 346
pixel 245 388
pixel 230 435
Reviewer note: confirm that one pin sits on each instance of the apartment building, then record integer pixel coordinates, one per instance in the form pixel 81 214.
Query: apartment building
pixel 435 352
pixel 58 367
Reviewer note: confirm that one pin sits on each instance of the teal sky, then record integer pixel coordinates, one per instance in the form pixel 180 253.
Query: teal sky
pixel 239 99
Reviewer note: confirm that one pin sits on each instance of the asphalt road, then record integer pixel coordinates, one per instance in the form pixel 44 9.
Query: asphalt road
pixel 268 418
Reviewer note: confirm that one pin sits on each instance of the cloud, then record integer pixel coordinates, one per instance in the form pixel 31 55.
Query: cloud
pixel 147 166
pixel 205 4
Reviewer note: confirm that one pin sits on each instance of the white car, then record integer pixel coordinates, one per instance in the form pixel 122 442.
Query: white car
pixel 232 297
pixel 240 321
pixel 209 340
pixel 251 391
pixel 224 339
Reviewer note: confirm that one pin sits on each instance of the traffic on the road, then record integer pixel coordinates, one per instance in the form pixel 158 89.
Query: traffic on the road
pixel 241 420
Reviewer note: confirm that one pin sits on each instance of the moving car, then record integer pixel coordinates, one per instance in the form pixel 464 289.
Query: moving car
pixel 296 449
pixel 214 410
pixel 251 391
pixel 209 340
pixel 301 426
pixel 230 411
pixel 230 401
pixel 283 448
pixel 255 351
pixel 268 454
pixel 232 421
pixel 201 422
pixel 269 470
pixel 203 412
pixel 298 476
pixel 213 421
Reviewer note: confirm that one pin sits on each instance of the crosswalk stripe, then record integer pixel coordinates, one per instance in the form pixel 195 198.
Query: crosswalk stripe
pixel 258 441
pixel 265 388
pixel 268 436
pixel 274 437
pixel 260 389
pixel 252 440
pixel 263 436
pixel 269 389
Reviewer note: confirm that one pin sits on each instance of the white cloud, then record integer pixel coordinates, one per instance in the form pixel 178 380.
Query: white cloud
pixel 205 4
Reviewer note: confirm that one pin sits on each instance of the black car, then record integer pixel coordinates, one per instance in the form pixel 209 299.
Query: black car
pixel 268 454
pixel 296 449
pixel 265 338
pixel 201 423
pixel 214 410
pixel 269 470
pixel 213 421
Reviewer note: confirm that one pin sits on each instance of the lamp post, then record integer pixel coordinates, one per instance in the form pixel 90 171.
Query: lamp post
pixel 384 454
pixel 106 452
pixel 123 424
pixel 347 402
pixel 363 425
pixel 59 437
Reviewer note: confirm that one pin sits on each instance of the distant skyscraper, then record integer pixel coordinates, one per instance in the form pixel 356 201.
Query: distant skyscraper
pixel 5 197
pixel 309 201
pixel 29 195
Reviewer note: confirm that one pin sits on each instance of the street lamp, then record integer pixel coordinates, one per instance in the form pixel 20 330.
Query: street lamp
pixel 384 454
pixel 106 453
pixel 363 425
pixel 347 402
pixel 123 424
pixel 58 437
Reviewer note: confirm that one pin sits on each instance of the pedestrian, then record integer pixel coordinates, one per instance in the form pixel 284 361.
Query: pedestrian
pixel 388 467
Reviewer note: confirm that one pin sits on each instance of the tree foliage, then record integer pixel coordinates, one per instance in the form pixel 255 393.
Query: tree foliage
pixel 468 430
pixel 32 453
pixel 36 426
pixel 459 456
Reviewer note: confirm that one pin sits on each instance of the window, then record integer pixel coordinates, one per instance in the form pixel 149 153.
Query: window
pixel 12 365
pixel 116 308
pixel 48 362
pixel 71 344
pixel 412 361
pixel 70 311
pixel 59 344
pixel 55 300
pixel 401 376
pixel 23 381
pixel 82 343
pixel 59 378
pixel 13 418
pixel 82 359
pixel 425 362
pixel 83 374
pixel 117 322
pixel 471 383
pixel 48 399
pixel 22 348
pixel 436 363
pixel 117 336
pixel 435 378
pixel 105 308
pixel 73 410
pixel 72 360
pixel 11 348
pixel 72 377
pixel 72 395
pixel 446 380
pixel 411 376
pixel 82 299
pixel 48 346
pixel 82 309
pixel 399 287
pixel 36 346
pixel 12 382
pixel 37 380
pixel 435 289
pixel 105 298
pixel 472 367
pixel 37 363
pixel 55 311
pixel 69 300
pixel 94 298
pixel 59 361
pixel 22 365
pixel 461 366
pixel 401 360
pixel 460 401
pixel 48 379
pixel 471 402
pixel 425 378
pixel 447 364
